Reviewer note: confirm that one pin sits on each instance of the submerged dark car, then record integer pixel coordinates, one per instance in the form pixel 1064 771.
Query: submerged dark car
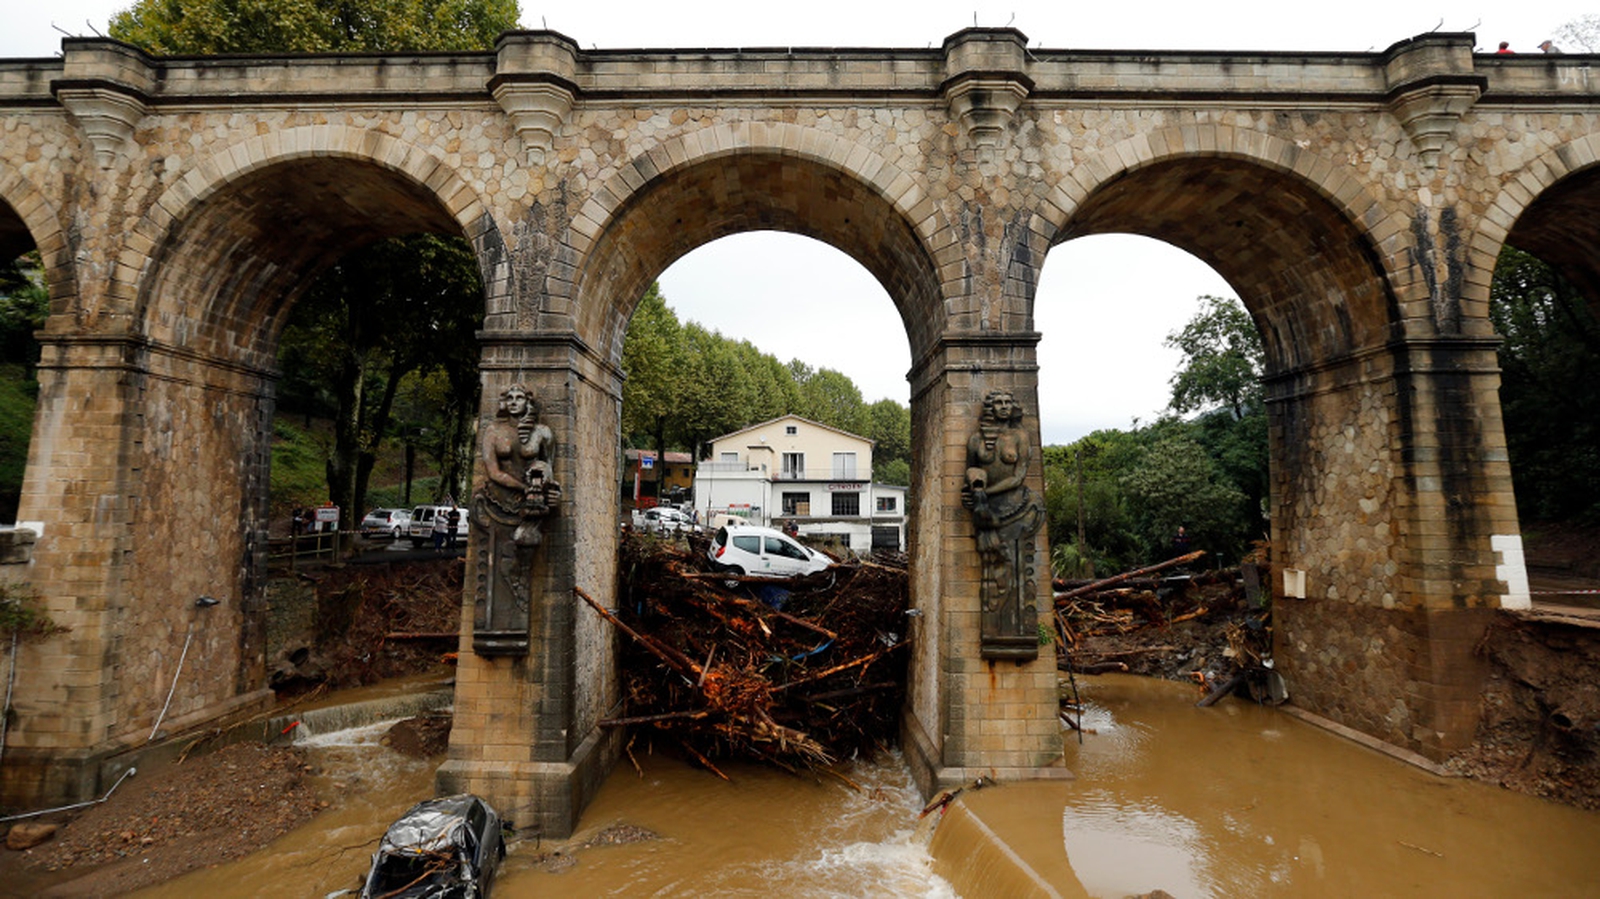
pixel 445 848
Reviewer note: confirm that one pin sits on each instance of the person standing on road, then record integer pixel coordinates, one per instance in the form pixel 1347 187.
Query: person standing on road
pixel 441 530
pixel 454 518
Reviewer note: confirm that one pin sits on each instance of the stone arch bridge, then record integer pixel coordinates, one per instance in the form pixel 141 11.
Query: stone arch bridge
pixel 1355 201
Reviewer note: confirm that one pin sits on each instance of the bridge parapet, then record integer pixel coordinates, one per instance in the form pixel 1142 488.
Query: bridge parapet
pixel 1432 83
pixel 985 84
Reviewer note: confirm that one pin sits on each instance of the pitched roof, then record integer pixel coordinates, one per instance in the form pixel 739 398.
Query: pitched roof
pixel 791 417
pixel 671 456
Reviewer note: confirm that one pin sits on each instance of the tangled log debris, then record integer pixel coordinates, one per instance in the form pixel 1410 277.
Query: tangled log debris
pixel 1203 627
pixel 796 673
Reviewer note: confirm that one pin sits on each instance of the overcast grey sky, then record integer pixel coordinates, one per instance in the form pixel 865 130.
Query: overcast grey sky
pixel 1104 303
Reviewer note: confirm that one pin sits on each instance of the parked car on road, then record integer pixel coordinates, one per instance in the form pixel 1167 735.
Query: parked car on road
pixel 445 848
pixel 666 520
pixel 390 523
pixel 763 552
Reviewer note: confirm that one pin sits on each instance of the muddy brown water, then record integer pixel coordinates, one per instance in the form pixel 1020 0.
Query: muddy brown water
pixel 1236 800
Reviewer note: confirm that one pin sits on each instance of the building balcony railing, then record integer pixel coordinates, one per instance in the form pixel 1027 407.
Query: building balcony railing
pixel 731 468
pixel 813 474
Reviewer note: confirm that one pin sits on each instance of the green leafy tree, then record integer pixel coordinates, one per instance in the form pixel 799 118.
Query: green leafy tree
pixel 1109 540
pixel 653 358
pixel 717 395
pixel 1220 376
pixel 1222 359
pixel 1175 484
pixel 889 429
pixel 1550 350
pixel 830 397
pixel 24 306
pixel 206 27
pixel 382 314
pixel 775 388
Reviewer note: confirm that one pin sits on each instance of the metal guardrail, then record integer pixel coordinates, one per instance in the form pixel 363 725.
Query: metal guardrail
pixel 290 550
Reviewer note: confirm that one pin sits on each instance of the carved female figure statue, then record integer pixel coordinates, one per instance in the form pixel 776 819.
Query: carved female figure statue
pixel 1006 514
pixel 516 496
pixel 516 460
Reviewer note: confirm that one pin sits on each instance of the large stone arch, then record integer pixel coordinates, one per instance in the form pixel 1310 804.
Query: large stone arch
pixel 1334 301
pixel 174 395
pixel 285 237
pixel 29 220
pixel 1381 424
pixel 1550 208
pixel 662 204
pixel 917 228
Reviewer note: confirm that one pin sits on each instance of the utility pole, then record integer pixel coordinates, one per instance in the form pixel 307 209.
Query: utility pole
pixel 1088 559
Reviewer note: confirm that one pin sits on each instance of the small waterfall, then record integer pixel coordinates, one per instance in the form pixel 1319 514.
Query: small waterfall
pixel 321 722
pixel 977 862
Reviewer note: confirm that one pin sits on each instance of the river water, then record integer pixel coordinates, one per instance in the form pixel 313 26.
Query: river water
pixel 1235 800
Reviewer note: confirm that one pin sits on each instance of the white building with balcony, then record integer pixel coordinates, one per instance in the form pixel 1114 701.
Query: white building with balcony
pixel 794 471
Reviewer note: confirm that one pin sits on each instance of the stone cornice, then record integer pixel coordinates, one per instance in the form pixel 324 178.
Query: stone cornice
pixel 1397 357
pixel 983 57
pixel 133 353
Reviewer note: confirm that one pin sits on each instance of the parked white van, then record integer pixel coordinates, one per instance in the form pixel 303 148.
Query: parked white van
pixel 422 519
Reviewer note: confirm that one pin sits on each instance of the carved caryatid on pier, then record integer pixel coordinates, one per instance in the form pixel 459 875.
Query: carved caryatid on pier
pixel 1006 515
pixel 509 509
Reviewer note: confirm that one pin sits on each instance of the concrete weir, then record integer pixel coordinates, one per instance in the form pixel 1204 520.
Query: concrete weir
pixel 1356 201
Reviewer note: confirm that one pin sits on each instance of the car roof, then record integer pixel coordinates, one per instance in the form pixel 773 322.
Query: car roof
pixel 744 529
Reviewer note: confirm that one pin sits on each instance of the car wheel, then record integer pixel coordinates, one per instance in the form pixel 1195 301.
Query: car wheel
pixel 733 571
pixel 396 534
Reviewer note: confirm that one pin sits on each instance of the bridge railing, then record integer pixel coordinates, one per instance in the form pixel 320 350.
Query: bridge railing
pixel 324 546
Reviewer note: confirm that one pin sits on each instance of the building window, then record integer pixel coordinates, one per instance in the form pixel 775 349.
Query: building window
pixel 794 466
pixel 730 457
pixel 886 504
pixel 847 504
pixel 790 430
pixel 797 504
pixel 844 466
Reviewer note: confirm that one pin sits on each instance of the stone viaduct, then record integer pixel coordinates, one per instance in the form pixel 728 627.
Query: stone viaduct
pixel 1355 201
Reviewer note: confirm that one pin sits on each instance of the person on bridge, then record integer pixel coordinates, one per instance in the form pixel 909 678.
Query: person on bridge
pixel 1505 47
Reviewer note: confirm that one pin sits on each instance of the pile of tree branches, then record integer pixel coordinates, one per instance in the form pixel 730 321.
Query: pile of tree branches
pixel 1168 621
pixel 797 673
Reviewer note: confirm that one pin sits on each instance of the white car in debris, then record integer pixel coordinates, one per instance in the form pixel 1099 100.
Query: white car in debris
pixel 666 520
pixel 763 552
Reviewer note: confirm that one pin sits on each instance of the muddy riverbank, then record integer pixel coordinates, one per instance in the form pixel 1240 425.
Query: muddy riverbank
pixel 1538 735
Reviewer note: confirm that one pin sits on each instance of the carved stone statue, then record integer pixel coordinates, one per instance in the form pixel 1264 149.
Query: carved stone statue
pixel 510 508
pixel 1006 514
